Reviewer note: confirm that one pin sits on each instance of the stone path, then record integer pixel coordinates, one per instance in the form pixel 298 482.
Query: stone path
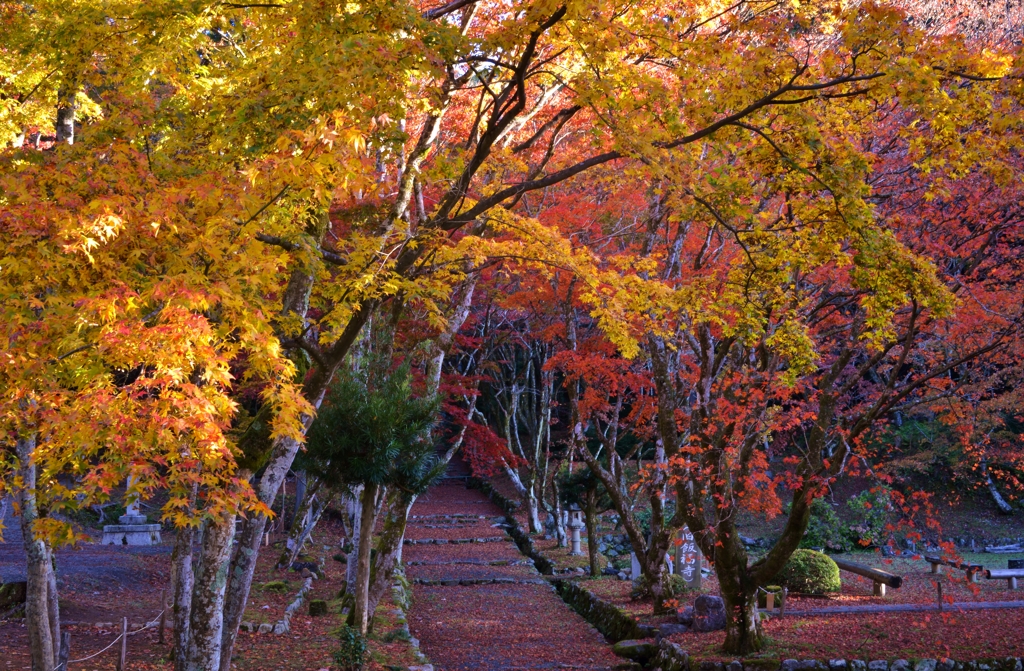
pixel 480 604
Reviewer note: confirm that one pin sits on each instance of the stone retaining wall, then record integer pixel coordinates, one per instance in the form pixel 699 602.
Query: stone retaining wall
pixel 670 657
pixel 1005 664
pixel 614 624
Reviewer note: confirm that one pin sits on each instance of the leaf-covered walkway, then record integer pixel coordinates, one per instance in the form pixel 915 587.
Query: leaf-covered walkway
pixel 479 603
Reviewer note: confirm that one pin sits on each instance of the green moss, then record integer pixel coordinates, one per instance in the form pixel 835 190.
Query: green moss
pixel 810 572
pixel 275 586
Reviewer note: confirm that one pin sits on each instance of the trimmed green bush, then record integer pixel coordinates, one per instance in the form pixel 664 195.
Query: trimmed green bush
pixel 810 572
pixel 353 650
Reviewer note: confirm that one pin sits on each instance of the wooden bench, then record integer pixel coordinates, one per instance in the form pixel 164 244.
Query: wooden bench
pixel 881 578
pixel 973 570
pixel 1010 575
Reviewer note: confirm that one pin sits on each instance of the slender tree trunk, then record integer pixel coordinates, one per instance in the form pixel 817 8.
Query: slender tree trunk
pixel 296 536
pixel 244 564
pixel 355 511
pixel 591 519
pixel 1004 507
pixel 42 645
pixel 295 301
pixel 206 620
pixel 300 499
pixel 531 502
pixel 53 601
pixel 311 514
pixel 362 593
pixel 182 580
pixel 389 548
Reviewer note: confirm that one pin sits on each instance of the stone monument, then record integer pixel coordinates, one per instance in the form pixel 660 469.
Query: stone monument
pixel 688 559
pixel 133 527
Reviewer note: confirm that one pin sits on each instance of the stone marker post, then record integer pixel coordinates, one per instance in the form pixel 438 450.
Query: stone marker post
pixel 688 559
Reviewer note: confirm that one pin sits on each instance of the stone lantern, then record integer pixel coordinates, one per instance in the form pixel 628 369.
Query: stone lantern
pixel 575 524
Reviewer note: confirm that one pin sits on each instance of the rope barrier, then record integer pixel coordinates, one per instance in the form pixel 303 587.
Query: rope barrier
pixel 148 625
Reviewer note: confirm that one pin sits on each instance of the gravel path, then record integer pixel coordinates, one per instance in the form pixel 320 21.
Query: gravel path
pixel 512 623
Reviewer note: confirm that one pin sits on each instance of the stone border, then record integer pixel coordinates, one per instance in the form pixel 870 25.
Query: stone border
pixel 672 658
pixel 403 600
pixel 613 624
pixel 284 625
pixel 522 539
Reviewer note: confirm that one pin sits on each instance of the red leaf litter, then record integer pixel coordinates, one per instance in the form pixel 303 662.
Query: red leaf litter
pixel 492 626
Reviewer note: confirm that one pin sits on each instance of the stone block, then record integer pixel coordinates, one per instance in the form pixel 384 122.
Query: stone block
pixel 900 665
pixel 839 665
pixel 636 650
pixel 708 613
pixel 858 665
pixel 734 665
pixel 945 664
pixel 789 665
pixel 878 665
pixel 131 534
pixel 671 630
pixel 925 665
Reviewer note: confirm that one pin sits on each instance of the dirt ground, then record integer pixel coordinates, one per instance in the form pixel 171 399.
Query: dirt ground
pixel 99 585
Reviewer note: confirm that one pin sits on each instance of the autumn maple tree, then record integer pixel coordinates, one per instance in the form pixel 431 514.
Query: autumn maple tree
pixel 205 204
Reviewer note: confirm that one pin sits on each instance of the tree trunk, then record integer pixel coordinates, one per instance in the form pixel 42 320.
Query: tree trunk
pixel 743 633
pixel 298 507
pixel 66 107
pixel 244 564
pixel 531 503
pixel 294 301
pixel 362 591
pixel 206 621
pixel 591 519
pixel 182 580
pixel 309 512
pixel 1004 507
pixel 389 548
pixel 43 646
pixel 355 510
pixel 52 600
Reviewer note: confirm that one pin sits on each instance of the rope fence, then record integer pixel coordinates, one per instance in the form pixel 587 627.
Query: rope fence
pixel 63 666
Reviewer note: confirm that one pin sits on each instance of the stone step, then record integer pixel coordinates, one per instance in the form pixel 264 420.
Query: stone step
pixel 473 562
pixel 455 541
pixel 466 582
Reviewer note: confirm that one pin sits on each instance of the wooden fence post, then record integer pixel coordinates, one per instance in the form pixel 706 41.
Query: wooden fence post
pixel 163 613
pixel 938 586
pixel 124 645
